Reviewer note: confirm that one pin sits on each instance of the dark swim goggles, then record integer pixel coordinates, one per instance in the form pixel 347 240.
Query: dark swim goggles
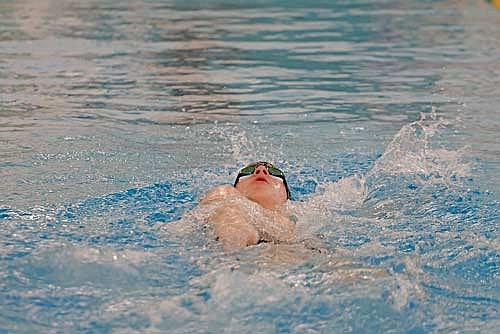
pixel 273 171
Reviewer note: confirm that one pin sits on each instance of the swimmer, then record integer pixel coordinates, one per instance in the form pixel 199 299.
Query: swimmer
pixel 253 210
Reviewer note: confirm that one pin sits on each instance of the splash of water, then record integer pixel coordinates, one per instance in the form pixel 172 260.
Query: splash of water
pixel 411 152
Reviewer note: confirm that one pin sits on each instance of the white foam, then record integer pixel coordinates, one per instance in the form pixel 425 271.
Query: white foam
pixel 321 209
pixel 345 194
pixel 124 258
pixel 408 284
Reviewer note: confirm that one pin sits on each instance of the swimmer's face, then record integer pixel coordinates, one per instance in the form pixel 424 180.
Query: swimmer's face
pixel 261 187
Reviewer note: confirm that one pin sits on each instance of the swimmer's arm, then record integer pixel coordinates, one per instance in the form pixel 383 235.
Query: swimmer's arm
pixel 235 227
pixel 231 224
pixel 238 225
pixel 230 220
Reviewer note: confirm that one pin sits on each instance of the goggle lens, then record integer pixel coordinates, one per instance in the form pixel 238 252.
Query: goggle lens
pixel 274 171
pixel 248 170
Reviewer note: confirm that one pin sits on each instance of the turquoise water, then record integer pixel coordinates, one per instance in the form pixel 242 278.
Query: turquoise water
pixel 116 117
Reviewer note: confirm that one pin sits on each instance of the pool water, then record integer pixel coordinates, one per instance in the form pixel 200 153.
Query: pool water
pixel 117 116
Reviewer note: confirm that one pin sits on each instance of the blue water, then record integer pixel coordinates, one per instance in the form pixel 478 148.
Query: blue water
pixel 117 116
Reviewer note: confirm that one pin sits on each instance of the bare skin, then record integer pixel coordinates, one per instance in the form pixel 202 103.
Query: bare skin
pixel 251 212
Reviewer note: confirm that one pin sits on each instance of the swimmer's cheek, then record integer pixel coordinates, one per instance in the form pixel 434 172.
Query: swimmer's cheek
pixel 220 193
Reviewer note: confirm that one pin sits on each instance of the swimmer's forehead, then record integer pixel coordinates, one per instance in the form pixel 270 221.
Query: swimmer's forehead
pixel 259 163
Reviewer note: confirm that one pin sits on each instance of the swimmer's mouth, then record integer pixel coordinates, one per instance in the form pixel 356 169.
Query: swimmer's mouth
pixel 261 179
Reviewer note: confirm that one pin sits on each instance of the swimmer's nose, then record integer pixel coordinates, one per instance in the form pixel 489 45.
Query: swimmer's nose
pixel 261 169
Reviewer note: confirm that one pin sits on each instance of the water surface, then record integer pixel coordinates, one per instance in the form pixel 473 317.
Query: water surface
pixel 116 116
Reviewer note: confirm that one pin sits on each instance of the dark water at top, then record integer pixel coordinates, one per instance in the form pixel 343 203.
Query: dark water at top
pixel 116 116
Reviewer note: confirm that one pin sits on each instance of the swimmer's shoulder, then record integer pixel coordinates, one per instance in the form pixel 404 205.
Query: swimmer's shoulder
pixel 220 193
